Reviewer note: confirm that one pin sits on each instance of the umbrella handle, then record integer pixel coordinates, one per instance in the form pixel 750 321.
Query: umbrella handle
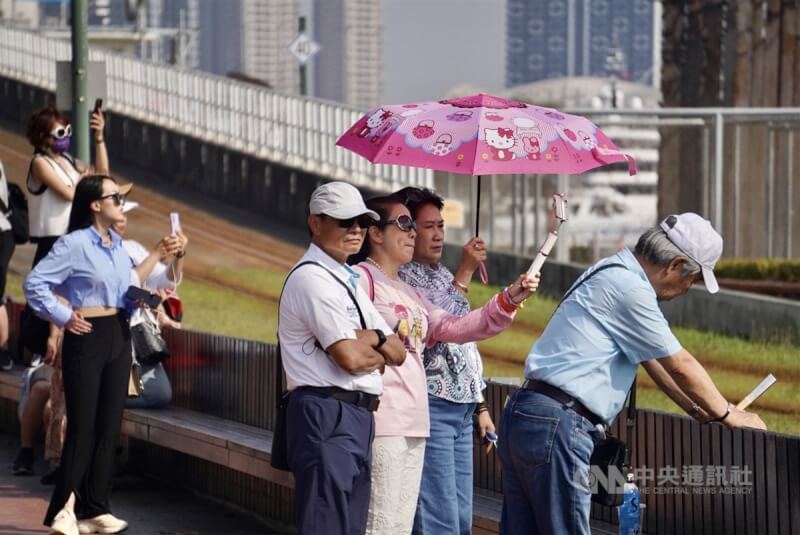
pixel 483 273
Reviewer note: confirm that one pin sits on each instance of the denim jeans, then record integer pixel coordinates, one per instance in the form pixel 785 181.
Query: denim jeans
pixel 544 449
pixel 157 391
pixel 445 495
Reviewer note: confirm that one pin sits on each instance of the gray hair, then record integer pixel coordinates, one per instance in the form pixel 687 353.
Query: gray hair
pixel 656 248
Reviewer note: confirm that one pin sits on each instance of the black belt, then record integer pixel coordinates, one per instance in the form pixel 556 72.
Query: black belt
pixel 562 397
pixel 356 397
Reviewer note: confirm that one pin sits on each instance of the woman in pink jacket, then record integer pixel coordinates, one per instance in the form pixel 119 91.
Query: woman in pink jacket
pixel 402 420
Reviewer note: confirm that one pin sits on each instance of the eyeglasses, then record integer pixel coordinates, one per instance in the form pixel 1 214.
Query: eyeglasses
pixel 403 222
pixel 364 221
pixel 119 198
pixel 62 132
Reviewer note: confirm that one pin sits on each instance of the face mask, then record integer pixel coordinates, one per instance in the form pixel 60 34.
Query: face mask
pixel 60 145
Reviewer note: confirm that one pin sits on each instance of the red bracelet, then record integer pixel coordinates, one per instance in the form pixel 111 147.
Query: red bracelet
pixel 504 304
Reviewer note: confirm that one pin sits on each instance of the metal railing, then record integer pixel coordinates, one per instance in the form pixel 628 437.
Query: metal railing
pixel 296 131
pixel 736 166
pixel 733 165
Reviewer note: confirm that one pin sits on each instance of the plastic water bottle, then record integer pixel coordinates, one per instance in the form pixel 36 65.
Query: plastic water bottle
pixel 629 511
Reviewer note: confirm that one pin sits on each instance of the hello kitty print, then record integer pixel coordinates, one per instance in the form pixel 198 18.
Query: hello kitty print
pixel 482 134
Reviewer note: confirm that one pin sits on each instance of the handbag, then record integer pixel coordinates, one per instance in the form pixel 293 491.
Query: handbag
pixel 149 346
pixel 612 452
pixel 279 456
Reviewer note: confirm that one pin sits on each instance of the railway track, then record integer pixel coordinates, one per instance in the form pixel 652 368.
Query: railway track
pixel 214 241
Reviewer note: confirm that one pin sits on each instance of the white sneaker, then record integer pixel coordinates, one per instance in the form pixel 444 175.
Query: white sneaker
pixel 106 523
pixel 64 523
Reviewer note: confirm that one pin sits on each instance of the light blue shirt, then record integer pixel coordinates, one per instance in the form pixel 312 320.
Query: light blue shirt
pixel 83 271
pixel 594 343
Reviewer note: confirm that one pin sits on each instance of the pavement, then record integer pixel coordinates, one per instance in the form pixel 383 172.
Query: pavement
pixel 149 506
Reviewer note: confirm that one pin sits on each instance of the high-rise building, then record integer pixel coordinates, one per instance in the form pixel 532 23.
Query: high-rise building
pixel 558 38
pixel 349 66
pixel 249 37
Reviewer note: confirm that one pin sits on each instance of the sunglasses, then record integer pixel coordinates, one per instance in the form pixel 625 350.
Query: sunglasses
pixel 403 222
pixel 119 198
pixel 62 132
pixel 364 221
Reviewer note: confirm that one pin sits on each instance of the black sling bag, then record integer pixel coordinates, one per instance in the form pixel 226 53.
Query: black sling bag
pixel 611 451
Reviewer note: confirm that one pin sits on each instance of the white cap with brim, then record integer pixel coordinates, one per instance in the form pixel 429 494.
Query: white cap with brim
pixel 128 206
pixel 696 238
pixel 339 200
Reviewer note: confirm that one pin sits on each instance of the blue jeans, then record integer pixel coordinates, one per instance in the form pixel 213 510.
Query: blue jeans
pixel 544 449
pixel 445 495
pixel 157 391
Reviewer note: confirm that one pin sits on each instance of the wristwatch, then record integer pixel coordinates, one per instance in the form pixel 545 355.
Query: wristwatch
pixel 728 411
pixel 381 338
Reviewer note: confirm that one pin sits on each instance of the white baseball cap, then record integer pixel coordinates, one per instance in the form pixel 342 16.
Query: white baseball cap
pixel 339 200
pixel 698 240
pixel 128 206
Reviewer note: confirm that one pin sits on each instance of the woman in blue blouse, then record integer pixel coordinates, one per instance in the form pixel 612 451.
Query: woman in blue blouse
pixel 90 269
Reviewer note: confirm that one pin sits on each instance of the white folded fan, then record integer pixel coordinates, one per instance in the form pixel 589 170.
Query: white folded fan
pixel 768 381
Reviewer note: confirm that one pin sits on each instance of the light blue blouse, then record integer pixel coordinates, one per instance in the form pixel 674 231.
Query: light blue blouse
pixel 84 271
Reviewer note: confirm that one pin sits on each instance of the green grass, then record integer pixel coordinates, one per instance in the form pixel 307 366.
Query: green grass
pixel 217 310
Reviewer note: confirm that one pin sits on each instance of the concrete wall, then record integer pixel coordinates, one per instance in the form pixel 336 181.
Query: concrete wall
pixel 281 193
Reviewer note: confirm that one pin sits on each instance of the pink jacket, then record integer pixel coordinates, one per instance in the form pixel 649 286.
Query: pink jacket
pixel 404 404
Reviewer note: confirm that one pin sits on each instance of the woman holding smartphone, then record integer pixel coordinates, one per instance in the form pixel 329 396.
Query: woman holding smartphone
pixel 402 421
pixel 90 268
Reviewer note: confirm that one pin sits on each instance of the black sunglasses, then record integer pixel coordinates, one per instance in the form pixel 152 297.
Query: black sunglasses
pixel 403 222
pixel 364 221
pixel 119 198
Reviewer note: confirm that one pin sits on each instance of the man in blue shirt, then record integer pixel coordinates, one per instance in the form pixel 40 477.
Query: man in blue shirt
pixel 579 373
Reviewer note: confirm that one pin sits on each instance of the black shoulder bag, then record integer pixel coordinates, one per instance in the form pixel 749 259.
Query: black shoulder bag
pixel 611 451
pixel 279 457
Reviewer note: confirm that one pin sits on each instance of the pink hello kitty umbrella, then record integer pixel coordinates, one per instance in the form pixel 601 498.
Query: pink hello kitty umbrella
pixel 482 135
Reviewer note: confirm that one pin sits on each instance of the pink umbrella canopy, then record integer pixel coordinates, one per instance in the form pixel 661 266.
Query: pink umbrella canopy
pixel 482 135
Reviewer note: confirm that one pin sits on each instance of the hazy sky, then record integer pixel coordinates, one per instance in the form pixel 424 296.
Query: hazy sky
pixel 432 45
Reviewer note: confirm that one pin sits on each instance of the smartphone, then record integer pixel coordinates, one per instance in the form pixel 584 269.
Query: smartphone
pixel 175 222
pixel 134 293
pixel 98 104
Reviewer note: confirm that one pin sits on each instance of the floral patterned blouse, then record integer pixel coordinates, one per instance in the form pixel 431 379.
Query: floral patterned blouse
pixel 454 372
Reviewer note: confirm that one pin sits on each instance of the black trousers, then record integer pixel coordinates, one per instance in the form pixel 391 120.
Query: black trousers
pixel 95 367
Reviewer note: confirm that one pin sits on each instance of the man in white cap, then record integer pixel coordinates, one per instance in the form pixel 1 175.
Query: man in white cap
pixel 579 372
pixel 334 345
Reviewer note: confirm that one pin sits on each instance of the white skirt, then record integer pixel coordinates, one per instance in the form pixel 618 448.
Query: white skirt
pixel 396 475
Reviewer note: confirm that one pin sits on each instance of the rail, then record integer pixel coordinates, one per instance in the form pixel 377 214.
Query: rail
pixel 296 131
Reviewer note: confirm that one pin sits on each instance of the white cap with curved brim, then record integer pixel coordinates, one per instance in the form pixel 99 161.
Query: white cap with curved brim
pixel 698 240
pixel 339 200
pixel 128 206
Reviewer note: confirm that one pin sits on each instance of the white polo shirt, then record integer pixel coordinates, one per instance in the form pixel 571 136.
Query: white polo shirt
pixel 314 307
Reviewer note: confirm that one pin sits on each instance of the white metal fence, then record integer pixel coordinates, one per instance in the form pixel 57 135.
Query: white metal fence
pixel 292 130
pixel 753 205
